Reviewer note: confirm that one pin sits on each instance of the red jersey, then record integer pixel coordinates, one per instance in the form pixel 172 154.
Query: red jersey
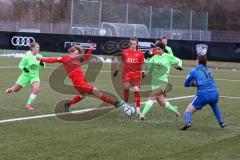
pixel 132 60
pixel 71 65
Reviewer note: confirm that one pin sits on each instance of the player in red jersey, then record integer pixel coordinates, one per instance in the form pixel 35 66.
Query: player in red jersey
pixel 133 71
pixel 71 64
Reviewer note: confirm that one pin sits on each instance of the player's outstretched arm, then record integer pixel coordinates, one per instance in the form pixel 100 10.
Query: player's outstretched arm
pixel 51 60
pixel 88 54
pixel 42 64
pixel 178 62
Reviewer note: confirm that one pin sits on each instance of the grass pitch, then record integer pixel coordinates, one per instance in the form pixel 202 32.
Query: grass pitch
pixel 115 136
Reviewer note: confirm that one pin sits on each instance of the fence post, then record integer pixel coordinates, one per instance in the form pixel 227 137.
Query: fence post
pixel 191 16
pixel 200 35
pixel 171 22
pixel 150 22
pixel 127 7
pixel 17 26
pixel 100 14
pixel 71 19
pixel 51 27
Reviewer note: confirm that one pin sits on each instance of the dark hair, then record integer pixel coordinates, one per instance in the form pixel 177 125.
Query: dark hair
pixel 33 45
pixel 164 37
pixel 202 60
pixel 160 45
pixel 158 39
pixel 134 39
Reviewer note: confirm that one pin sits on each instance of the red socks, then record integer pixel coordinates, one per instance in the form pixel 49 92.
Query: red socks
pixel 75 100
pixel 137 98
pixel 126 94
pixel 107 99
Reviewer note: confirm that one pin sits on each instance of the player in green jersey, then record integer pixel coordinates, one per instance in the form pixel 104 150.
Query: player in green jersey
pixel 159 66
pixel 30 74
pixel 167 48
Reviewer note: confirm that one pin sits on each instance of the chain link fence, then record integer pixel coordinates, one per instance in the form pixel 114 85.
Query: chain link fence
pixel 101 18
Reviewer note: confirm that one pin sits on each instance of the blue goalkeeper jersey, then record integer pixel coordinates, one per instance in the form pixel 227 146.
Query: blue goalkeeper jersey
pixel 203 79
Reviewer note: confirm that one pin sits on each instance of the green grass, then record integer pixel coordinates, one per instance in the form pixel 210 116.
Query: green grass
pixel 115 136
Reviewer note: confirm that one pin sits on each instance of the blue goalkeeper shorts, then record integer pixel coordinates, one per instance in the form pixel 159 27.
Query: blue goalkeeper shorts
pixel 204 98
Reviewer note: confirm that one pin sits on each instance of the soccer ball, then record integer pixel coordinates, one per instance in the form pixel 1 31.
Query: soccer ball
pixel 129 110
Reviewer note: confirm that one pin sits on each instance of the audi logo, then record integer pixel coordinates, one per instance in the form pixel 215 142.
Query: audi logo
pixel 22 41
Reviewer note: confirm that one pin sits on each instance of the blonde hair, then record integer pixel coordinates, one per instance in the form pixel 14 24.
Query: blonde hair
pixel 76 47
pixel 33 45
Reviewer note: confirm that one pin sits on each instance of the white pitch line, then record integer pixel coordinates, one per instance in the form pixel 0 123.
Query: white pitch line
pixel 78 111
pixel 217 79
pixel 230 97
pixel 91 109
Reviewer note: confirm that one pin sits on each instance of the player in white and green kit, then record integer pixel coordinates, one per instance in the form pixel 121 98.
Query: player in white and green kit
pixel 30 74
pixel 159 66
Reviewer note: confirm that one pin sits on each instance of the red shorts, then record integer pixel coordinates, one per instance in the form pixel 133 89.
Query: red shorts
pixel 83 87
pixel 134 78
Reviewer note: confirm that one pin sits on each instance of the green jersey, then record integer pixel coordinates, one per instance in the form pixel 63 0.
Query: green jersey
pixel 30 62
pixel 159 66
pixel 169 50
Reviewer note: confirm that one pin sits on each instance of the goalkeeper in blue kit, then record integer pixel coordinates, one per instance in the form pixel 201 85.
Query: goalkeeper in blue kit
pixel 207 92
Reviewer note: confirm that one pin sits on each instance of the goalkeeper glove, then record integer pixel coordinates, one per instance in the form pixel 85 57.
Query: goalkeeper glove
pixel 41 64
pixel 147 54
pixel 25 70
pixel 179 68
pixel 115 73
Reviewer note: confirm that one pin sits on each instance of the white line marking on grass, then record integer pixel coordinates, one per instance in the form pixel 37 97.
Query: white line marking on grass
pixel 91 109
pixel 78 111
pixel 218 79
pixel 10 67
pixel 230 97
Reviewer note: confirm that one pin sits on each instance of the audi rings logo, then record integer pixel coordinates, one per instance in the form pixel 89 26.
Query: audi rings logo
pixel 22 41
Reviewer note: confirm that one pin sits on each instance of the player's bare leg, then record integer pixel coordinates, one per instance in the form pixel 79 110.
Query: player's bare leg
pixel 33 95
pixel 14 88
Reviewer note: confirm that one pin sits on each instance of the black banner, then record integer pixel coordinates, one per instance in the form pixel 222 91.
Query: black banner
pixel 217 51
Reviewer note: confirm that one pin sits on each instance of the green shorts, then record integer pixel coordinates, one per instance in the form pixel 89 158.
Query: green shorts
pixel 23 80
pixel 162 85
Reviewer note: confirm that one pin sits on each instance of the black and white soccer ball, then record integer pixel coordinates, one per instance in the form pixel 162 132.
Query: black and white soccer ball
pixel 129 110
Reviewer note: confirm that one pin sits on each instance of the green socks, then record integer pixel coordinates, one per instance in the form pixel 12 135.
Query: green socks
pixel 31 98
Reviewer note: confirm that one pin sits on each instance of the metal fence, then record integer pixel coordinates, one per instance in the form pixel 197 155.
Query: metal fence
pixel 102 18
